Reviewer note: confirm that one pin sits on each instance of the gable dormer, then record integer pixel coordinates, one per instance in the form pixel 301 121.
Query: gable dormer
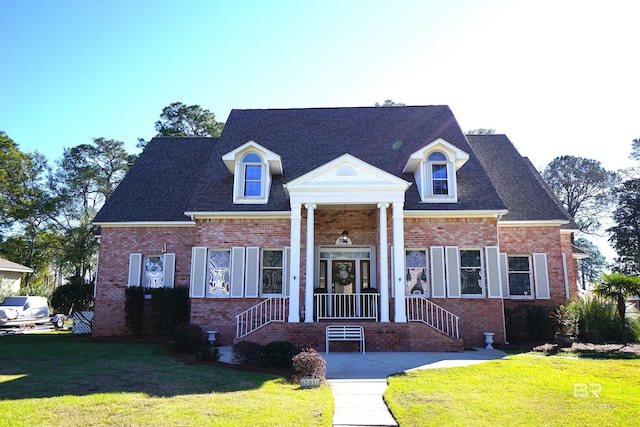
pixel 252 167
pixel 434 168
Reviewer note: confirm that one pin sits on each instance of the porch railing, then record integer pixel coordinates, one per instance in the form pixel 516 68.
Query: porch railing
pixel 346 306
pixel 267 311
pixel 425 311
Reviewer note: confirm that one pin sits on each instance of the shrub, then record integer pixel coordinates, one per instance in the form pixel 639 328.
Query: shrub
pixel 187 339
pixel 598 321
pixel 247 352
pixel 76 294
pixel 168 308
pixel 529 322
pixel 278 354
pixel 309 363
pixel 134 309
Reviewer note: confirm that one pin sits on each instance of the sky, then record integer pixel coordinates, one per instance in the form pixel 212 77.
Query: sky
pixel 559 77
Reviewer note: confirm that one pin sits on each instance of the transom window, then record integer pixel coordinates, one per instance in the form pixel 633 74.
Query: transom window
pixel 520 276
pixel 218 273
pixel 416 272
pixel 252 166
pixel 272 271
pixel 471 271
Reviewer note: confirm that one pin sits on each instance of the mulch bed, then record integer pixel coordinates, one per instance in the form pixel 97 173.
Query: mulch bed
pixel 592 349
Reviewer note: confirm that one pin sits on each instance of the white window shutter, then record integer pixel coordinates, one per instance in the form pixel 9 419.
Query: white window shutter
pixel 285 273
pixel 393 288
pixel 453 271
pixel 566 277
pixel 541 276
pixel 494 282
pixel 437 272
pixel 237 272
pixel 169 270
pixel 504 274
pixel 372 268
pixel 198 282
pixel 135 270
pixel 252 272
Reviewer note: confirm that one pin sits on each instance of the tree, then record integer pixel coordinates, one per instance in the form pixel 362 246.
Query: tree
pixel 12 164
pixel 584 187
pixel 481 131
pixel 590 269
pixel 179 119
pixel 389 103
pixel 625 235
pixel 86 176
pixel 618 288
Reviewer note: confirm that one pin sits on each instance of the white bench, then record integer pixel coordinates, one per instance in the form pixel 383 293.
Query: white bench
pixel 345 333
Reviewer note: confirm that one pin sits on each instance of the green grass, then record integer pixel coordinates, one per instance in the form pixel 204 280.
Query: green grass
pixel 55 379
pixel 524 390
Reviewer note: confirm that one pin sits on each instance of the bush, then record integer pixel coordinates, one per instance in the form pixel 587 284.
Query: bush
pixel 309 363
pixel 168 308
pixel 76 294
pixel 598 320
pixel 134 309
pixel 187 339
pixel 529 322
pixel 278 354
pixel 247 352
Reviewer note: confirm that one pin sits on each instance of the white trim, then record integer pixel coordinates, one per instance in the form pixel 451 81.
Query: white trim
pixel 273 160
pixel 146 224
pixel 537 223
pixel 240 215
pixel 454 214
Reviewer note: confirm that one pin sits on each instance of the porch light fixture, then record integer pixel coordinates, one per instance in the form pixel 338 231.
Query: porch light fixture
pixel 344 239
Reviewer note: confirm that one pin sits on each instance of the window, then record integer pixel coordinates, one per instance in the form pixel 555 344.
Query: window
pixel 471 272
pixel 416 272
pixel 437 167
pixel 520 276
pixel 272 271
pixel 218 273
pixel 252 168
pixel 153 272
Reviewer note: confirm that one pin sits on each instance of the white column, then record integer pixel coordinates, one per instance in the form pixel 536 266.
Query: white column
pixel 294 265
pixel 398 262
pixel 310 275
pixel 384 264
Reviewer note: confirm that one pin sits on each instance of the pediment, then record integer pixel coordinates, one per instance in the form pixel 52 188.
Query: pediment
pixel 272 159
pixel 458 156
pixel 349 177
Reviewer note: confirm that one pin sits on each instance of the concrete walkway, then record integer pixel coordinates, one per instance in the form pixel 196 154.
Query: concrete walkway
pixel 358 380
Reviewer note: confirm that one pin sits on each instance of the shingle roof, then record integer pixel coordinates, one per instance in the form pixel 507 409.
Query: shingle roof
pixel 6 265
pixel 309 138
pixel 160 183
pixel 520 185
pixel 177 175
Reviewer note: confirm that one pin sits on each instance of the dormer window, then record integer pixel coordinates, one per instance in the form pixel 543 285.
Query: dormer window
pixel 252 166
pixel 434 168
pixel 437 168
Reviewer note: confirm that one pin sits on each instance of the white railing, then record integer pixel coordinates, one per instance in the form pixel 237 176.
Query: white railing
pixel 346 306
pixel 261 314
pixel 425 311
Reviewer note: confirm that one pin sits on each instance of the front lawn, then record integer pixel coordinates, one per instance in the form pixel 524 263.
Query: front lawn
pixel 56 379
pixel 527 390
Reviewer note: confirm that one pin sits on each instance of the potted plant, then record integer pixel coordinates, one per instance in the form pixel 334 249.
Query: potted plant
pixel 564 324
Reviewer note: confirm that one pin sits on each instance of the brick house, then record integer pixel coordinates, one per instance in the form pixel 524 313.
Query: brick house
pixel 295 219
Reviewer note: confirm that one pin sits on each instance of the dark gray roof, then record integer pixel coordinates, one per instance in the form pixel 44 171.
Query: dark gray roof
pixel 177 175
pixel 309 138
pixel 520 185
pixel 159 185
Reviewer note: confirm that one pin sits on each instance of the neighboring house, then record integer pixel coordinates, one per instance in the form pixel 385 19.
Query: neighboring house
pixel 443 231
pixel 11 276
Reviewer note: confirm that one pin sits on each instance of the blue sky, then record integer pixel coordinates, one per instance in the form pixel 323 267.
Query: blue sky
pixel 557 76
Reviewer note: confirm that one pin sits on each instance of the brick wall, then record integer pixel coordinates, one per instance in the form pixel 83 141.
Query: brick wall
pixel 116 244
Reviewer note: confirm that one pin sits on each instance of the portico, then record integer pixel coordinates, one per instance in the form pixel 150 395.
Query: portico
pixel 350 183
